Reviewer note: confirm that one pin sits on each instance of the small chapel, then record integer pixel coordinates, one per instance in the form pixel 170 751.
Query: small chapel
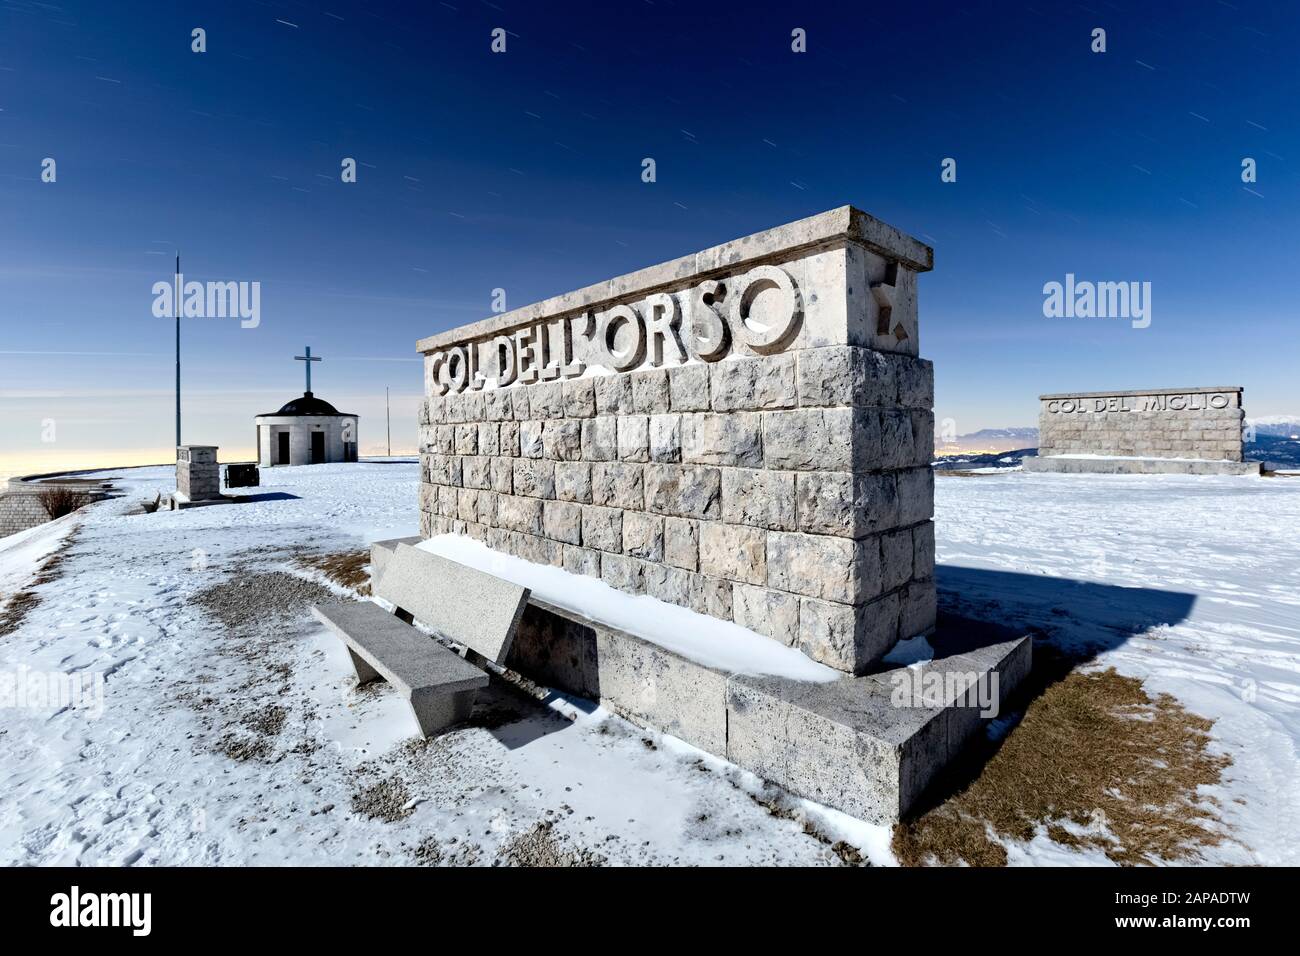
pixel 306 430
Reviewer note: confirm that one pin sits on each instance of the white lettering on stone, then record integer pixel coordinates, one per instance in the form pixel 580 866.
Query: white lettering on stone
pixel 761 311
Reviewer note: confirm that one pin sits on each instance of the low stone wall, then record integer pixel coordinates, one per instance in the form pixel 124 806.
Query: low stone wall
pixel 746 432
pixel 1197 423
pixel 20 505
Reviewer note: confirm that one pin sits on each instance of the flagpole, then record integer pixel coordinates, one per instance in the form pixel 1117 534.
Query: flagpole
pixel 388 418
pixel 178 348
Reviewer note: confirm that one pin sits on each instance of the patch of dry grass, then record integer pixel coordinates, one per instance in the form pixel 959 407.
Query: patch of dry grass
pixel 345 568
pixel 1097 762
pixel 58 501
pixel 22 603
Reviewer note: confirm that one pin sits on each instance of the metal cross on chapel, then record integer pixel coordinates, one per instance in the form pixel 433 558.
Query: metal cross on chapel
pixel 307 360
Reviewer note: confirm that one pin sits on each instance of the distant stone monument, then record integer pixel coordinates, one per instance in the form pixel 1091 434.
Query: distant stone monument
pixel 1153 431
pixel 306 430
pixel 746 431
pixel 198 477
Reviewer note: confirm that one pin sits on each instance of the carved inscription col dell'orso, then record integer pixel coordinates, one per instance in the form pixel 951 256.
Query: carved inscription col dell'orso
pixel 1191 402
pixel 761 309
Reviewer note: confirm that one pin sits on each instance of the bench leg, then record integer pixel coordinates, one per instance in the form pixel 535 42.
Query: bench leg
pixel 365 673
pixel 437 711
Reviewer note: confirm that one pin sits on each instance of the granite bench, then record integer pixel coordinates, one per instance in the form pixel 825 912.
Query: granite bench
pixel 438 683
pixel 460 604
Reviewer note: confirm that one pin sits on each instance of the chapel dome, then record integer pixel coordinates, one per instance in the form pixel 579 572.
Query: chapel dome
pixel 307 404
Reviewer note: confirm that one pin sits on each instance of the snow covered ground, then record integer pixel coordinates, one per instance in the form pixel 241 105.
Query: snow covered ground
pixel 230 735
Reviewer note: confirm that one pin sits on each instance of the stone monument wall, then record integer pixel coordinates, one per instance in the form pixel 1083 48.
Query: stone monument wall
pixel 1154 423
pixel 746 431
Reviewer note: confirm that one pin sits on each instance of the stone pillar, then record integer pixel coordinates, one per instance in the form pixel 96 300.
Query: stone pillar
pixel 198 478
pixel 746 431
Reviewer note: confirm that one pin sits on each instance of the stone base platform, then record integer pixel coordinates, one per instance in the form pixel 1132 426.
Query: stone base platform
pixel 177 501
pixel 850 744
pixel 1140 466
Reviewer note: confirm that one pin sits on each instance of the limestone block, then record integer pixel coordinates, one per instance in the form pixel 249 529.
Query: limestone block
pixel 602 528
pixel 896 447
pixel 771 613
pixel 643 535
pixel 896 557
pixel 915 381
pixel 918 609
pixel 683 491
pixel 573 481
pixel 562 521
pixel 515 513
pixel 510 439
pixel 650 391
pixel 581 561
pixel 764 499
pixel 520 402
pixel 580 398
pixel 688 388
pixel 498 404
pixel 848 504
pixel 534 479
pixel 614 395
pixel 667 583
pixel 821 566
pixel 711 596
pixel 666 438
pixel 749 384
pixel 915 495
pixel 501 475
pixel 489 438
pixel 477 472
pixel 821 439
pixel 923 550
pixel 466 439
pixel 634 438
pixel 682 543
pixel 734 552
pixel 530 439
pixel 546 400
pixel 622 572
pixel 600 438
pixel 717 439
pixel 562 439
pixel 617 485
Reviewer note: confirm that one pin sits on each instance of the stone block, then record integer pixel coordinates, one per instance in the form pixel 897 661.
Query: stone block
pixel 580 398
pixel 683 491
pixel 614 395
pixel 650 391
pixel 530 439
pixel 600 438
pixel 534 479
pixel 643 535
pixel 821 566
pixel 688 388
pixel 622 572
pixel 751 384
pixel 519 514
pixel 764 499
pixel 562 439
pixel 666 438
pixel 602 528
pixel 716 439
pixel 617 485
pixel 848 504
pixel 573 481
pixel 682 543
pixel 562 521
pixel 821 439
pixel 733 552
pixel 634 438
pixel 771 613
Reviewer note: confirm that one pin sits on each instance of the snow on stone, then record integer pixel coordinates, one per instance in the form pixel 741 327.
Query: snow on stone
pixel 705 640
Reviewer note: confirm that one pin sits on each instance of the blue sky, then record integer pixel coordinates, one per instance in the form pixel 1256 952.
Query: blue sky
pixel 522 171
